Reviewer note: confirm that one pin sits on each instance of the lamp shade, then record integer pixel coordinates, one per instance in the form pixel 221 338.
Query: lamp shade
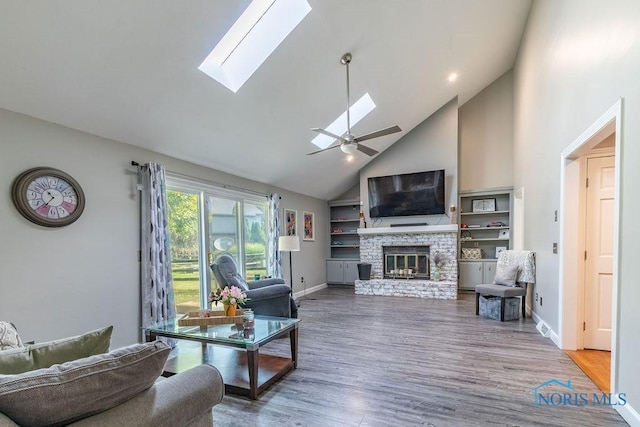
pixel 349 148
pixel 288 243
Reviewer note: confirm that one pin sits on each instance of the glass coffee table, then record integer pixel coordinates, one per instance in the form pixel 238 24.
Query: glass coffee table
pixel 236 354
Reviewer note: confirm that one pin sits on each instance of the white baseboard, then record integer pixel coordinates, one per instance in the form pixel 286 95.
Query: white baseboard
pixel 309 290
pixel 629 414
pixel 552 334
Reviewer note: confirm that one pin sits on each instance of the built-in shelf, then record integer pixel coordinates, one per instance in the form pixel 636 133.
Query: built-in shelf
pixel 482 236
pixel 484 213
pixel 344 215
pixel 483 240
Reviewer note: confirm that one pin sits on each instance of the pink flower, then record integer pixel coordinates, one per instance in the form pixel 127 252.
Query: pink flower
pixel 228 296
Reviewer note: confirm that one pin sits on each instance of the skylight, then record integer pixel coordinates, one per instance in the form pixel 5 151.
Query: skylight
pixel 252 38
pixel 358 111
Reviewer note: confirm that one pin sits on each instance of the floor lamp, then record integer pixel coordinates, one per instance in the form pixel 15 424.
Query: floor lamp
pixel 289 244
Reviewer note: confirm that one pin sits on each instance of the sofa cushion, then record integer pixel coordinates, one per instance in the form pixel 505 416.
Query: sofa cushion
pixel 506 275
pixel 9 338
pixel 74 390
pixel 49 353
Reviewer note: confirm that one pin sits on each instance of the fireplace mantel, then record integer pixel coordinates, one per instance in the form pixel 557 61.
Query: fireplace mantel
pixel 420 229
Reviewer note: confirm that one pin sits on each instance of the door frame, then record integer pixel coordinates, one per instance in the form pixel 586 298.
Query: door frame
pixel 571 244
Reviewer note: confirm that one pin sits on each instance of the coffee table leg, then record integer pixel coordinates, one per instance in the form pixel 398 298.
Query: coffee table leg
pixel 293 338
pixel 252 361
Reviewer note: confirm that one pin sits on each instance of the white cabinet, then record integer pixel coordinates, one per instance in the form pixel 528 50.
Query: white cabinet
pixel 474 273
pixel 342 272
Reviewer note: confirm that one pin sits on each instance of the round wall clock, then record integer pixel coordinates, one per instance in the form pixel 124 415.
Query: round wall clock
pixel 48 197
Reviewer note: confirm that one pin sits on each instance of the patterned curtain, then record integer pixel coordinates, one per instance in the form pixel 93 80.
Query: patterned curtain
pixel 158 302
pixel 275 264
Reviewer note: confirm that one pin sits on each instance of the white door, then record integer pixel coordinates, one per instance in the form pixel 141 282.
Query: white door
pixel 599 256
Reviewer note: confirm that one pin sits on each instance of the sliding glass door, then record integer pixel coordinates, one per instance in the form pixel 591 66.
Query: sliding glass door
pixel 204 224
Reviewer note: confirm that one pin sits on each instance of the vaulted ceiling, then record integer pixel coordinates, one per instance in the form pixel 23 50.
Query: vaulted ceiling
pixel 128 71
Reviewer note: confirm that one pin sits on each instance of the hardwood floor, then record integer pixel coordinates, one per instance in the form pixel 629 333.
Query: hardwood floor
pixel 390 361
pixel 596 364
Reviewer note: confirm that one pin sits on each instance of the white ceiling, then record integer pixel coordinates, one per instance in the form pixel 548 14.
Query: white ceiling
pixel 127 70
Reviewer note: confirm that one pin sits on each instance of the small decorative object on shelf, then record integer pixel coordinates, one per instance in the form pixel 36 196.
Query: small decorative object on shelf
pixel 483 205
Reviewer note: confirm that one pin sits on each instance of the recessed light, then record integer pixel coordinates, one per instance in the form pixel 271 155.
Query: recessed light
pixel 452 77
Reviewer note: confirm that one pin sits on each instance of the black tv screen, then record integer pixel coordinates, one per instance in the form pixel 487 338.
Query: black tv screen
pixel 420 193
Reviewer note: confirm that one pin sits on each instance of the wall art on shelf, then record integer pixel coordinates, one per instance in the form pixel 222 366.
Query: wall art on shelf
pixel 308 221
pixel 483 205
pixel 290 222
pixel 500 249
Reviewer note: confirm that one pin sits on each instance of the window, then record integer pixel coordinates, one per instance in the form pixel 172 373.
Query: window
pixel 205 222
pixel 251 39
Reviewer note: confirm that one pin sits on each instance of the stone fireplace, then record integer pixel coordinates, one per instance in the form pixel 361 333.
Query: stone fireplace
pixel 401 262
pixel 406 262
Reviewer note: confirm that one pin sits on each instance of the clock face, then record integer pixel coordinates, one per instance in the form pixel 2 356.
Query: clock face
pixel 48 197
pixel 52 197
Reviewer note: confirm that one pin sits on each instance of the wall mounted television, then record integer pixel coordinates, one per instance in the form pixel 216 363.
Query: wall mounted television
pixel 419 193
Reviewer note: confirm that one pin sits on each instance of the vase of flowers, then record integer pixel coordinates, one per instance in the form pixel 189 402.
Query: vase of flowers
pixel 229 297
pixel 439 261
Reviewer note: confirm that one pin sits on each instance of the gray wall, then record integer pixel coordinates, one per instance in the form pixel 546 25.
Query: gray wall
pixel 576 60
pixel 61 282
pixel 433 144
pixel 486 137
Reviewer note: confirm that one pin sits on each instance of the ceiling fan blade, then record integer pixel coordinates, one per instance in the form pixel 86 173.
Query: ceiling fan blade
pixel 332 135
pixel 366 150
pixel 324 149
pixel 376 134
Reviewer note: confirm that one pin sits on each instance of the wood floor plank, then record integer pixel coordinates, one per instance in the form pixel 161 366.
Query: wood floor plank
pixel 390 361
pixel 596 364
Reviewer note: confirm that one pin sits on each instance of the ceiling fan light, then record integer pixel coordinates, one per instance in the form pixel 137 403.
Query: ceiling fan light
pixel 349 148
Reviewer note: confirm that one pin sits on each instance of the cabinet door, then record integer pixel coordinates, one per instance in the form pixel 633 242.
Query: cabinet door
pixel 471 274
pixel 335 271
pixel 350 272
pixel 489 271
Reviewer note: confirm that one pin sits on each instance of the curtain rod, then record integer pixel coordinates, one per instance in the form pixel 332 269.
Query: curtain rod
pixel 218 184
pixel 205 181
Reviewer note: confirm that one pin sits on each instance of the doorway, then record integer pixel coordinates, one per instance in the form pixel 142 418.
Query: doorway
pixel 588 293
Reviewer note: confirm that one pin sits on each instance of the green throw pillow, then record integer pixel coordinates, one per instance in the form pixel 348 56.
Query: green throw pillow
pixel 46 354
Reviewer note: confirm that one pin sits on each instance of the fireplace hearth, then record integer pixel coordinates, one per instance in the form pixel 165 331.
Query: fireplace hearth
pixel 406 262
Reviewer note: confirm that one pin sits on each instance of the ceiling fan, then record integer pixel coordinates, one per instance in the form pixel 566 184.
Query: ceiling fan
pixel 348 142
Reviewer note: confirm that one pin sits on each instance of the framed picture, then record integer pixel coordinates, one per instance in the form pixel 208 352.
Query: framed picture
pixel 500 249
pixel 483 205
pixel 307 218
pixel 503 234
pixel 290 222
